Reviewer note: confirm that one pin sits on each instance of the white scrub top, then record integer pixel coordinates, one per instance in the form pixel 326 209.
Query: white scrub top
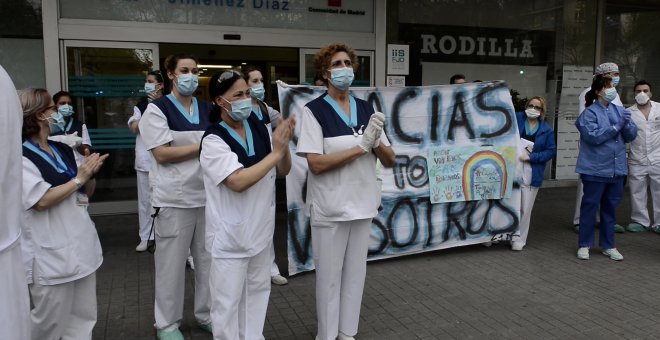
pixel 11 171
pixel 144 160
pixel 180 184
pixel 645 149
pixel 348 193
pixel 60 243
pixel 238 224
pixel 85 140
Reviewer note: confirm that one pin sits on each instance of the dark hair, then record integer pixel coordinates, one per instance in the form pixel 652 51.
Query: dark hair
pixel 157 75
pixel 58 95
pixel 33 101
pixel 170 66
pixel 600 81
pixel 249 69
pixel 318 77
pixel 642 82
pixel 323 57
pixel 456 77
pixel 218 86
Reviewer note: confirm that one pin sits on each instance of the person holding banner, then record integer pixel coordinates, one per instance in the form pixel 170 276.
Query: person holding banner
pixel 605 128
pixel 341 137
pixel 239 161
pixel 541 148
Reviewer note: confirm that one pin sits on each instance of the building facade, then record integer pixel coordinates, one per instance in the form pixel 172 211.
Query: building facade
pixel 100 50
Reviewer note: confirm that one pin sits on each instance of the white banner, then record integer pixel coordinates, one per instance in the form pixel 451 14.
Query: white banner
pixel 417 119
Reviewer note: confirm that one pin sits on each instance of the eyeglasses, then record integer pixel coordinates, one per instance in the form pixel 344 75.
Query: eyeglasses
pixel 532 106
pixel 228 75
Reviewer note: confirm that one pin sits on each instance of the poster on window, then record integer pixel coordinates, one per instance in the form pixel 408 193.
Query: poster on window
pixel 475 121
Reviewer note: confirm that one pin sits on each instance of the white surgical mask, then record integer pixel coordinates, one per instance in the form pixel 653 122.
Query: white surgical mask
pixel 342 77
pixel 532 113
pixel 186 84
pixel 240 109
pixel 642 98
pixel 65 110
pixel 258 91
pixel 149 87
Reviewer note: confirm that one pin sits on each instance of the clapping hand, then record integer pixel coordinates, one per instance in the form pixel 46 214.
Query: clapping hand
pixel 371 136
pixel 283 134
pixel 91 166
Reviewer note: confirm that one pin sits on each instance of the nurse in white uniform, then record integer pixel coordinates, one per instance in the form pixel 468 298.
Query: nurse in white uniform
pixel 239 164
pixel 74 133
pixel 61 249
pixel 341 137
pixel 144 161
pixel 271 118
pixel 172 127
pixel 15 306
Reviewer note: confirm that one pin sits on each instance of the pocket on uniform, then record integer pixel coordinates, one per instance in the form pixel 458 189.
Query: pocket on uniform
pixel 329 206
pixel 233 239
pixel 166 224
pixel 53 264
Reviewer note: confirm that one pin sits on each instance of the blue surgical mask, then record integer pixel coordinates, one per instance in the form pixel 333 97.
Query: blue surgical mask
pixel 65 110
pixel 341 77
pixel 258 91
pixel 56 122
pixel 615 80
pixel 186 84
pixel 610 94
pixel 240 109
pixel 149 87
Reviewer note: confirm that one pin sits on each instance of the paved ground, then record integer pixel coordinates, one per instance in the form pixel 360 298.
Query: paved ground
pixel 471 292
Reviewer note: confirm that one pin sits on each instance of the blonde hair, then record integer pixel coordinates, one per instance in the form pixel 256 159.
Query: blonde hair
pixel 33 101
pixel 544 107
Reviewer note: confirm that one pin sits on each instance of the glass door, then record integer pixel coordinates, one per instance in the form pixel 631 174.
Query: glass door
pixel 106 80
pixel 364 77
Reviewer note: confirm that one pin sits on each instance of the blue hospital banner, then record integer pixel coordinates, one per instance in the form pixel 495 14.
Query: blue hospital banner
pixel 473 126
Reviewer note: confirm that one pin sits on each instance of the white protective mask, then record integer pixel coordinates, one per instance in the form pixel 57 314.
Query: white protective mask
pixel 532 113
pixel 642 98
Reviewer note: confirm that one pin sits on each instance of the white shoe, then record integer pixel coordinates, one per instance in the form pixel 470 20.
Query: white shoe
pixel 613 254
pixel 279 280
pixel 517 246
pixel 583 253
pixel 342 336
pixel 191 263
pixel 142 246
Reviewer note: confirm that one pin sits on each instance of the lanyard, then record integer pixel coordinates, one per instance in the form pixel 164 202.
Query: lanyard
pixel 56 162
pixel 352 122
pixel 68 126
pixel 249 147
pixel 194 119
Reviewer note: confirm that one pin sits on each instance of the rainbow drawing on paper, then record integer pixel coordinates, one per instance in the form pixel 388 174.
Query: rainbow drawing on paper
pixel 485 173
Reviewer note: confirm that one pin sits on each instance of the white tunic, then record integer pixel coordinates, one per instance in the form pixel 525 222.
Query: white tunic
pixel 351 192
pixel 144 160
pixel 60 243
pixel 180 184
pixel 238 224
pixel 645 149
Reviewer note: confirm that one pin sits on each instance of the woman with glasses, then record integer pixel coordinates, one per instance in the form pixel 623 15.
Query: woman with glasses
pixel 605 128
pixel 539 141
pixel 172 127
pixel 144 161
pixel 341 138
pixel 73 133
pixel 240 161
pixel 61 249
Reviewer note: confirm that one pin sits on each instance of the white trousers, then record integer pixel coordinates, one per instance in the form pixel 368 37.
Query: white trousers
pixel 340 256
pixel 65 311
pixel 179 230
pixel 241 287
pixel 527 198
pixel 640 179
pixel 144 205
pixel 15 305
pixel 274 270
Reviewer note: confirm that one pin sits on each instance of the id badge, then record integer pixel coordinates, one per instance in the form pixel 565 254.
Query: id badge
pixel 82 199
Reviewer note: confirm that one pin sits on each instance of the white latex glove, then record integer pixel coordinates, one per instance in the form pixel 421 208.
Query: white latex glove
pixel 372 132
pixel 380 116
pixel 72 140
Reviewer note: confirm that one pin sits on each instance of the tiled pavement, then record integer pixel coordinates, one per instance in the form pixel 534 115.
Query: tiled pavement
pixel 471 292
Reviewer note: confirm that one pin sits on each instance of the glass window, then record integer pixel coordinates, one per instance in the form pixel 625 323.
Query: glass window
pixel 21 38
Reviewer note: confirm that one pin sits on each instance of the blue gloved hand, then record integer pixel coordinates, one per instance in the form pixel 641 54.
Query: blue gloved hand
pixel 621 124
pixel 627 116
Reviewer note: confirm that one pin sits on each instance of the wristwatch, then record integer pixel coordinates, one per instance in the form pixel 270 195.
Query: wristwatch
pixel 77 181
